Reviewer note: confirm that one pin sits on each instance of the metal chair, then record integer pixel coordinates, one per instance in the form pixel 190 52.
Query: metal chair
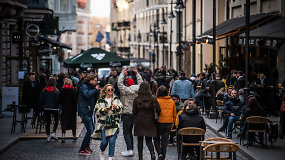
pixel 256 124
pixel 189 131
pixel 219 111
pixel 224 147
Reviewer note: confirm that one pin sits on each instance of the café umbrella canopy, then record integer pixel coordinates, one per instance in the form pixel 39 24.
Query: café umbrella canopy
pixel 95 58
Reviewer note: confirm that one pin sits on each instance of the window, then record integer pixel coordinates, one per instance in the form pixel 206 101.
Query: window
pixel 63 5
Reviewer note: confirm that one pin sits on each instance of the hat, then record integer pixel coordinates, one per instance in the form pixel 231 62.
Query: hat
pixel 130 82
pixel 252 102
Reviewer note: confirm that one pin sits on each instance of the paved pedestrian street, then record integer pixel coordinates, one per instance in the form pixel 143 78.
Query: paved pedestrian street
pixel 39 149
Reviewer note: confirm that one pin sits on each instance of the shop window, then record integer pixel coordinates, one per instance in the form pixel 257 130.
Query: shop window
pixel 63 5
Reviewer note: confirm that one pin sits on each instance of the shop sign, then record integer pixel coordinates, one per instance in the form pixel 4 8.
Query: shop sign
pixel 10 95
pixel 32 30
pixel 16 37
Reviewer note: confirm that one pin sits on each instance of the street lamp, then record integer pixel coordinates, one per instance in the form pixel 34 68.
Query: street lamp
pixel 179 9
pixel 139 38
pixel 129 40
pixel 163 23
pixel 157 30
pixel 171 17
pixel 121 42
pixel 149 36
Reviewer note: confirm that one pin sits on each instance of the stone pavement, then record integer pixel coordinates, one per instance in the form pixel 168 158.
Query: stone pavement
pixel 274 152
pixel 41 150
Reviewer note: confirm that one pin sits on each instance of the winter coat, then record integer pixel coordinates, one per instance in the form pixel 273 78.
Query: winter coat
pixel 31 92
pixel 102 117
pixel 168 110
pixel 112 80
pixel 240 83
pixel 128 94
pixel 68 99
pixel 233 106
pixel 86 99
pixel 49 98
pixel 191 118
pixel 183 88
pixel 144 123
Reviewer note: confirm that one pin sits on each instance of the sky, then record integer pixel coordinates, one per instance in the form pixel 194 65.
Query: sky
pixel 100 8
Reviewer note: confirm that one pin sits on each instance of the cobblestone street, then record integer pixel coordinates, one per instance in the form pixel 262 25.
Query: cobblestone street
pixel 39 149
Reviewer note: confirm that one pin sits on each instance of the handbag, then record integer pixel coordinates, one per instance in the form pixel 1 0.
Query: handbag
pixel 156 115
pixel 111 121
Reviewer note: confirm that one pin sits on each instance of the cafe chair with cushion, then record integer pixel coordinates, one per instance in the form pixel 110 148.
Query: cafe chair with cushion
pixel 219 110
pixel 189 131
pixel 256 124
pixel 217 148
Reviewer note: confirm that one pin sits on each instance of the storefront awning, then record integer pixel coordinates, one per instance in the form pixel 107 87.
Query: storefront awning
pixel 274 30
pixel 55 43
pixel 236 25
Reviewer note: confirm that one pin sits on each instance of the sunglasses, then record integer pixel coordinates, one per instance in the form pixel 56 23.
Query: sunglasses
pixel 110 90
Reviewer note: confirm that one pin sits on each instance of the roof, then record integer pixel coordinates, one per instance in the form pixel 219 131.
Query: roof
pixel 274 29
pixel 236 24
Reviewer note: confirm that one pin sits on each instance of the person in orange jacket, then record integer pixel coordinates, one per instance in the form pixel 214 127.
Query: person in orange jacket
pixel 165 121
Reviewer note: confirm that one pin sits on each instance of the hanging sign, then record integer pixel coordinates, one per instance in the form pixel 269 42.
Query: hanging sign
pixel 32 30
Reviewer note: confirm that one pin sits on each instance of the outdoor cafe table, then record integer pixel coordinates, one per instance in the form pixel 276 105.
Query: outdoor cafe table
pixel 211 142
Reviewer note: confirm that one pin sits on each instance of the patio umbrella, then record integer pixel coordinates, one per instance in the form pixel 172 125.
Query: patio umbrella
pixel 95 58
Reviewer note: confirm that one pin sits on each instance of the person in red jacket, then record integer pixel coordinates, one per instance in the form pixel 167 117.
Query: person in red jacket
pixel 165 121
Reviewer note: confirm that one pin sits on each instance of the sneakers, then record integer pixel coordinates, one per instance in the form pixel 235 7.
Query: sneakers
pixel 221 130
pixel 127 153
pixel 88 149
pixel 53 136
pixel 84 153
pixel 48 139
pixel 160 157
pixel 110 158
pixel 102 156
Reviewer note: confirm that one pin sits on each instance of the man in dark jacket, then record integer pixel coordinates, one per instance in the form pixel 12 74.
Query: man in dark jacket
pixel 31 93
pixel 240 83
pixel 233 109
pixel 86 104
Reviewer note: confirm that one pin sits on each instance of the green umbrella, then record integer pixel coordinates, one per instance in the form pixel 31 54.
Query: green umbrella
pixel 96 58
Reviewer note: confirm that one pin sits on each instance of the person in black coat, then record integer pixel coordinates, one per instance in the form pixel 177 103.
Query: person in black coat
pixel 31 92
pixel 191 118
pixel 68 100
pixel 48 99
pixel 252 109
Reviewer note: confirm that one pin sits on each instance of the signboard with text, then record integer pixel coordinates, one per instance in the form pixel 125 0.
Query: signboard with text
pixel 9 95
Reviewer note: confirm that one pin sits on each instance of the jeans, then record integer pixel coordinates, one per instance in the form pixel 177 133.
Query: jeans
pixel 149 144
pixel 128 123
pixel 112 142
pixel 232 119
pixel 89 125
pixel 48 114
pixel 161 141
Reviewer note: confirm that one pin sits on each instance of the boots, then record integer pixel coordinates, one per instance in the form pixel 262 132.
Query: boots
pixel 152 156
pixel 140 157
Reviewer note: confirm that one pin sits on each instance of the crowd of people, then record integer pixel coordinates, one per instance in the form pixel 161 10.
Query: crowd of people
pixel 149 105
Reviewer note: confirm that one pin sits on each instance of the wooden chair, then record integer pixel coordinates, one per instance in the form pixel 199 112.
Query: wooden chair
pixel 217 139
pixel 189 131
pixel 219 111
pixel 252 121
pixel 218 148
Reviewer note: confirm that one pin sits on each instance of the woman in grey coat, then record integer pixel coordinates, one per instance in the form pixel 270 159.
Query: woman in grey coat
pixel 144 107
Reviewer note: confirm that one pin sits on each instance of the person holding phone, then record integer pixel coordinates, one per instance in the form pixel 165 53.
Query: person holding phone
pixel 107 110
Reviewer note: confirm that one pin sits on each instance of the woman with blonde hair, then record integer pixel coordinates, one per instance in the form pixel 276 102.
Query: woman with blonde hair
pixel 191 118
pixel 68 100
pixel 107 109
